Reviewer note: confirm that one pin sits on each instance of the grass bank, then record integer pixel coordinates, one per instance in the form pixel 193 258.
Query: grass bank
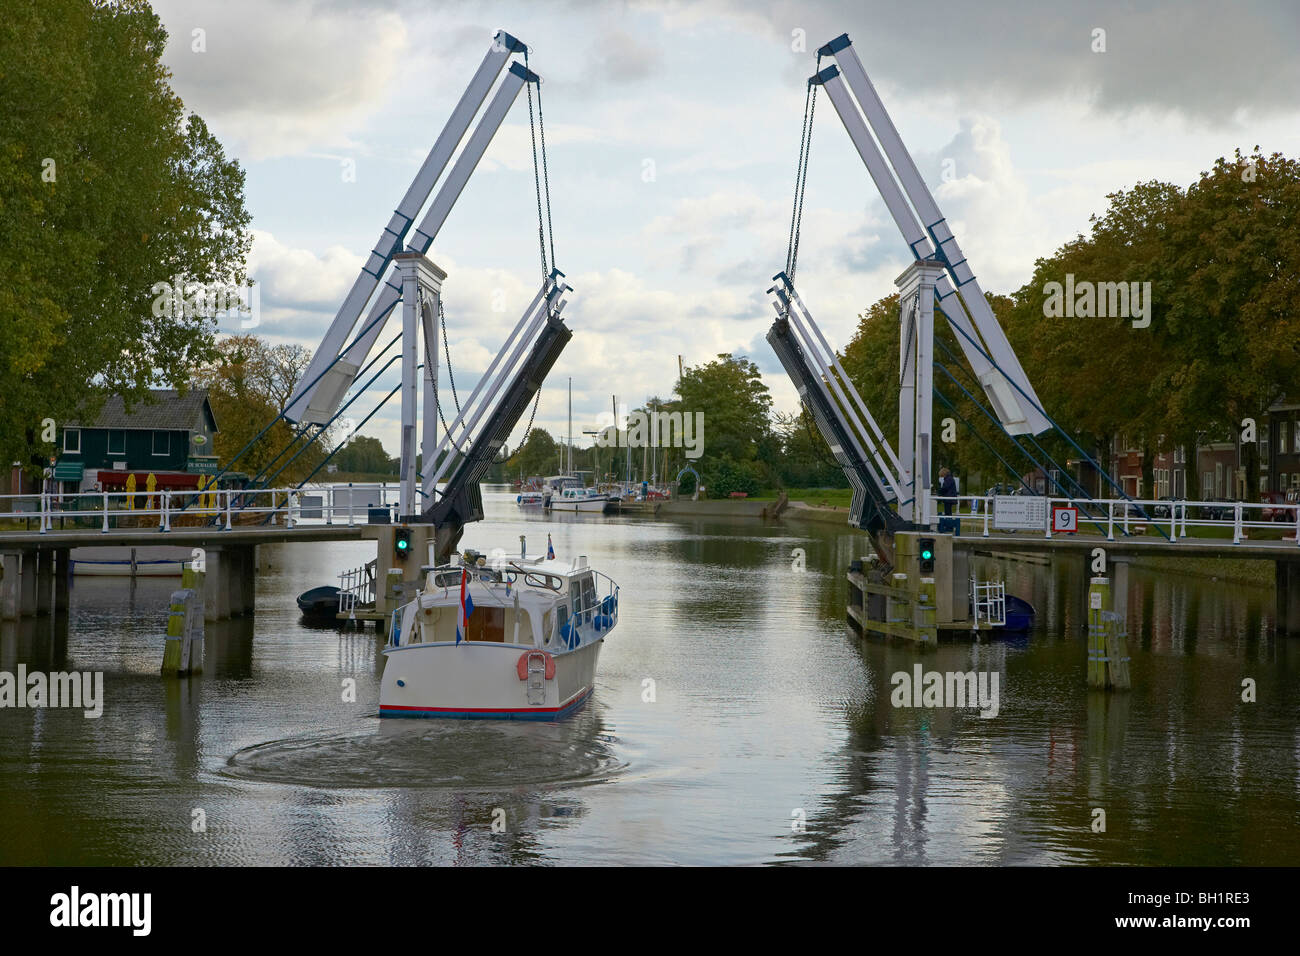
pixel 814 497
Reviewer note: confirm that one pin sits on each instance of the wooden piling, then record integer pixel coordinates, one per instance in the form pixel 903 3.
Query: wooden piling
pixel 1107 640
pixel 1098 604
pixel 183 648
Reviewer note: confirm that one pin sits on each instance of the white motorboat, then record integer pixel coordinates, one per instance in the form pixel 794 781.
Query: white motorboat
pixel 518 640
pixel 580 499
pixel 566 493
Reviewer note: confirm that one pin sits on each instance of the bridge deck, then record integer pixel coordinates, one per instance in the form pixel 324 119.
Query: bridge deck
pixel 202 537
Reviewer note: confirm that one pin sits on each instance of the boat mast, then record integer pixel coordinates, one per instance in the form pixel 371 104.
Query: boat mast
pixel 627 467
pixel 569 449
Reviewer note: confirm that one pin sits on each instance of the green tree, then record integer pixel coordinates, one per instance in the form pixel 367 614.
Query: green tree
pixel 537 455
pixel 804 460
pixel 107 188
pixel 737 406
pixel 365 455
pixel 1232 338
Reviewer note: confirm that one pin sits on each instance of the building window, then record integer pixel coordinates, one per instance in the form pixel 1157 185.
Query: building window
pixel 72 440
pixel 117 442
pixel 1295 480
pixel 1281 437
pixel 1295 437
pixel 162 443
pixel 1207 485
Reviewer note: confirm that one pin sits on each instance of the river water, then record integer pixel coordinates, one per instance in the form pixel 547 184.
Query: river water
pixel 736 720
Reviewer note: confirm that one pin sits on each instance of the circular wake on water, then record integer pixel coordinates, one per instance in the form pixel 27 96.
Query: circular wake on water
pixel 437 754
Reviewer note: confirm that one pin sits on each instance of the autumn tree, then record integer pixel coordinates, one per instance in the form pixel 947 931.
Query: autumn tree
pixel 249 383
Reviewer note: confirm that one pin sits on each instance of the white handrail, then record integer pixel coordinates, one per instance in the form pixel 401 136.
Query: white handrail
pixel 109 509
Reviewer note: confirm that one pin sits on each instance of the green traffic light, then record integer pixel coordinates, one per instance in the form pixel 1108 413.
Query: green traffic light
pixel 927 554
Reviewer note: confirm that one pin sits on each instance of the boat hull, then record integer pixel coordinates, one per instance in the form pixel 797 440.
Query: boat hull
pixel 586 505
pixel 480 681
pixel 151 561
pixel 320 604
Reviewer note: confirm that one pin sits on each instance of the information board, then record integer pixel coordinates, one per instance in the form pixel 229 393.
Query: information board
pixel 1019 513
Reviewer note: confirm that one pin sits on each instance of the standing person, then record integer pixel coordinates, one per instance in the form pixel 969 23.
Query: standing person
pixel 947 489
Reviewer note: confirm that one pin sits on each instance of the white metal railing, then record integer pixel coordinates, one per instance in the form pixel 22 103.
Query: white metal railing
pixel 1172 520
pixel 988 602
pixel 356 586
pixel 224 508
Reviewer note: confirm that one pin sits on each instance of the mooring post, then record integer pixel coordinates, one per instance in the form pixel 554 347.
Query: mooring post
pixel 183 647
pixel 1098 603
pixel 1108 632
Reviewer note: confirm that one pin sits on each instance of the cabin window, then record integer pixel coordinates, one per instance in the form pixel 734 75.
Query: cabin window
pixel 162 443
pixel 117 442
pixel 72 440
pixel 589 597
pixel 562 612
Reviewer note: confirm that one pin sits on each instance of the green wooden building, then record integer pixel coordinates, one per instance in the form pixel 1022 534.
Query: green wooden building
pixel 169 436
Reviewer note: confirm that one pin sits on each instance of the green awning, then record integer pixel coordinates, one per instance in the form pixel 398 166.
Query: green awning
pixel 67 471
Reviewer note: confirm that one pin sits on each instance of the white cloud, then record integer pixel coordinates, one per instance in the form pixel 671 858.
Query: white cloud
pixel 275 79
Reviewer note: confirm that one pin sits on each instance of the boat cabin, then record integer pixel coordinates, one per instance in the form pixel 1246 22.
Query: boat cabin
pixel 532 602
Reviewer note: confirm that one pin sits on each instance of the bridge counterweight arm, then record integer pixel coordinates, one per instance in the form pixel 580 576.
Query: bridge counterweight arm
pixel 927 234
pixel 306 405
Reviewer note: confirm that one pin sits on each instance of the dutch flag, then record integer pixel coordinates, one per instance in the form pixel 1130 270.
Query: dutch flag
pixel 550 549
pixel 466 608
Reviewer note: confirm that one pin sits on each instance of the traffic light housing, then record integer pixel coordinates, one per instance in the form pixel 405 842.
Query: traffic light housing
pixel 925 552
pixel 401 543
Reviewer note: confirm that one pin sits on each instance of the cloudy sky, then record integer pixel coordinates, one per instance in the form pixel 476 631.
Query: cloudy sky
pixel 673 132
